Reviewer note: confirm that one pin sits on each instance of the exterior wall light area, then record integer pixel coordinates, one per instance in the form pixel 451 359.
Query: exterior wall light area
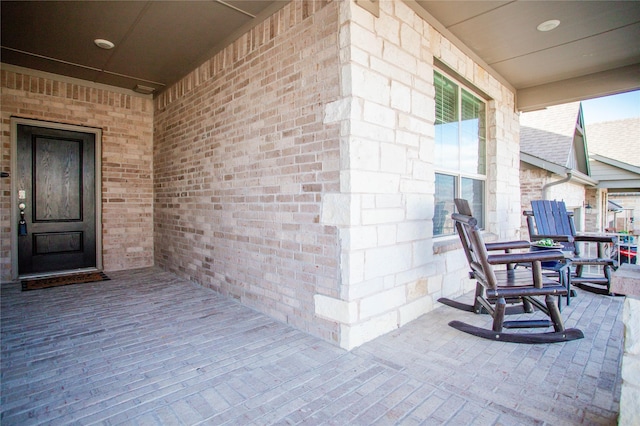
pixel 145 90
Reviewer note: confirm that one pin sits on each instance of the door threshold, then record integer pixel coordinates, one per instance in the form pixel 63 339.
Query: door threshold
pixel 56 273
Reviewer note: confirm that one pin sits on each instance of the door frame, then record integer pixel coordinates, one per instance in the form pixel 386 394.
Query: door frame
pixel 15 121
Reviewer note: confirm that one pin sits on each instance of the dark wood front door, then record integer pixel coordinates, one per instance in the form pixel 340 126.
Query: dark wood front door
pixel 56 192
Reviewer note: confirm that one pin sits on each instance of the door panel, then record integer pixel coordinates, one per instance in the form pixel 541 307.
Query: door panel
pixel 60 242
pixel 56 184
pixel 58 180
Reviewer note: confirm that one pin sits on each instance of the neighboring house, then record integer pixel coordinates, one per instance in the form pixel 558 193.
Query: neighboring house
pixel 554 160
pixel 614 151
pixel 596 166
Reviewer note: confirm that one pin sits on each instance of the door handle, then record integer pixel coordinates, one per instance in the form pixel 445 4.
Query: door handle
pixel 22 223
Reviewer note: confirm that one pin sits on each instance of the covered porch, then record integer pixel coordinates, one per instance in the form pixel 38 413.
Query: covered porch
pixel 148 347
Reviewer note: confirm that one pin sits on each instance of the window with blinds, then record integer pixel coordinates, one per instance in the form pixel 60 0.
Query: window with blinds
pixel 460 151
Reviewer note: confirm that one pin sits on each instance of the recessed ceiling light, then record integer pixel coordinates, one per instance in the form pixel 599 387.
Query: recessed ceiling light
pixel 103 44
pixel 548 25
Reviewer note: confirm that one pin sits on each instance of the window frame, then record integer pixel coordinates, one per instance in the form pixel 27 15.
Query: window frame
pixel 458 174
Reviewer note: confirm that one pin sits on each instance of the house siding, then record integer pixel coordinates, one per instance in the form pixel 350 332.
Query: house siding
pixel 126 121
pixel 606 172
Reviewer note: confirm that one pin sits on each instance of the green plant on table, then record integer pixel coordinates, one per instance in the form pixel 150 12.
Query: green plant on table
pixel 546 242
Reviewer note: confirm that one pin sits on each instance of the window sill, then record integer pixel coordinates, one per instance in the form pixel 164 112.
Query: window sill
pixel 443 245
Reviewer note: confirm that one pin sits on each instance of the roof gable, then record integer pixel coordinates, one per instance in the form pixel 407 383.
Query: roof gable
pixel 556 134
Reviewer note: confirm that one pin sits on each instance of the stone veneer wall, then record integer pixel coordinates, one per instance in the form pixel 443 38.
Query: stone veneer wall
pixel 392 268
pixel 126 121
pixel 242 162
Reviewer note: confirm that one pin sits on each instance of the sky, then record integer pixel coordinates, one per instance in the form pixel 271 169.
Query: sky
pixel 614 107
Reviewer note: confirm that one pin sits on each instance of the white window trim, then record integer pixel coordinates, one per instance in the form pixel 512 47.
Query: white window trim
pixel 457 173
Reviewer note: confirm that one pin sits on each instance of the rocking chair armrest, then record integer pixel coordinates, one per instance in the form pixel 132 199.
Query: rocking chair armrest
pixel 596 238
pixel 598 261
pixel 507 245
pixel 558 238
pixel 526 257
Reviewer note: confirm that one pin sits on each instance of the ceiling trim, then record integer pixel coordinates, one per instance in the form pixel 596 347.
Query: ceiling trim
pixel 237 9
pixel 86 67
pixel 49 58
pixel 619 80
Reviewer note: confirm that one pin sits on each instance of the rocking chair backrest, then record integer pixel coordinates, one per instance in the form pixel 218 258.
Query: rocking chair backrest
pixel 473 245
pixel 462 207
pixel 551 218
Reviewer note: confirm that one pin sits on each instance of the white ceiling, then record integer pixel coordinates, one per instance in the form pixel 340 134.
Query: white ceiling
pixel 595 51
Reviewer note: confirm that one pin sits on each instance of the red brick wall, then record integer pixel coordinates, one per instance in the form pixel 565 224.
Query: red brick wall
pixel 242 160
pixel 126 121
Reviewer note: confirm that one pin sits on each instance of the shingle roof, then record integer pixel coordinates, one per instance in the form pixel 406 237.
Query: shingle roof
pixel 548 133
pixel 618 140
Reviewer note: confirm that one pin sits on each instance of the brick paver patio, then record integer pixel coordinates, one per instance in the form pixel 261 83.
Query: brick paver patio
pixel 150 348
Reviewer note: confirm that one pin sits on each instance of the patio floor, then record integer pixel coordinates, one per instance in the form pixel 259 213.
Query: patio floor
pixel 150 348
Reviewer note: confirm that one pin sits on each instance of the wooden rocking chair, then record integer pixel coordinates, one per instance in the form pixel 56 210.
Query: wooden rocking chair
pixel 550 219
pixel 498 287
pixel 462 207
